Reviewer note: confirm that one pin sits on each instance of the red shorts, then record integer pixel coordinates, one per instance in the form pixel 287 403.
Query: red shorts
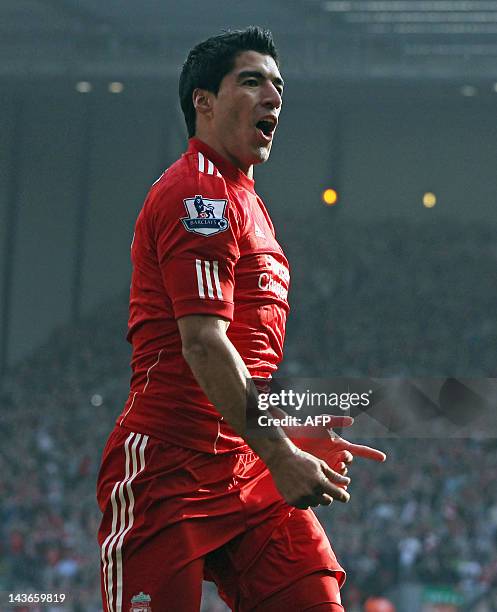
pixel 173 516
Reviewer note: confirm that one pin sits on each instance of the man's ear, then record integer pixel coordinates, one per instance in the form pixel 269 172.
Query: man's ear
pixel 202 101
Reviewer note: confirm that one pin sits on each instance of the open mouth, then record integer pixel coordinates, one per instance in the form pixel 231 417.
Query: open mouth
pixel 266 127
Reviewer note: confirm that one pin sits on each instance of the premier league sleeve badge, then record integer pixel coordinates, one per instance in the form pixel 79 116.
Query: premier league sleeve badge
pixel 205 217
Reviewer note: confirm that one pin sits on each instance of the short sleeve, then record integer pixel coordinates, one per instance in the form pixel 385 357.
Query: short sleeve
pixel 196 234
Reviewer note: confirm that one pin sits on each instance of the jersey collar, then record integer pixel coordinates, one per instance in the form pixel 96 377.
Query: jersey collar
pixel 226 168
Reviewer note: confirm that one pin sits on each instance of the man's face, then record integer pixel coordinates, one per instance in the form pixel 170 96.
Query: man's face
pixel 246 109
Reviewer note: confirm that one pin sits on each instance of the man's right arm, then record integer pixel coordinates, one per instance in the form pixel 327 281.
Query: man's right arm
pixel 302 479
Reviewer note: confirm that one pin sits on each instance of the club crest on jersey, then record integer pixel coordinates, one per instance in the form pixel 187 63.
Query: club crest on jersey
pixel 205 217
pixel 141 603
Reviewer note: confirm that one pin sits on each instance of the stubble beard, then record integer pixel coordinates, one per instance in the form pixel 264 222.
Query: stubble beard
pixel 263 154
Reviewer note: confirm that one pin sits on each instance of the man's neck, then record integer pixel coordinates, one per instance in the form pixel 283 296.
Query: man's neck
pixel 219 149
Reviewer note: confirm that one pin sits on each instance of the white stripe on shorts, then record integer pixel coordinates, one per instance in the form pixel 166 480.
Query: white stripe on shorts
pixel 123 509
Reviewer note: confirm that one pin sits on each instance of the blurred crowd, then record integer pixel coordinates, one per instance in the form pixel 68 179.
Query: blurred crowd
pixel 395 300
pixel 58 407
pixel 427 515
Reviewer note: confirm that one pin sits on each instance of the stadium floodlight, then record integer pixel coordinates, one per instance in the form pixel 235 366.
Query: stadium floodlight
pixel 84 86
pixel 116 87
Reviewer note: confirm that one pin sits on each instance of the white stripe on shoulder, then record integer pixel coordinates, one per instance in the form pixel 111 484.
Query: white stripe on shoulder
pixel 211 168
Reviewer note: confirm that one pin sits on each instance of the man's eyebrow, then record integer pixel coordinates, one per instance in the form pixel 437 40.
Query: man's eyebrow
pixel 258 75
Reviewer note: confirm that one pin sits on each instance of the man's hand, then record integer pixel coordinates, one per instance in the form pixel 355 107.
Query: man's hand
pixel 324 443
pixel 304 480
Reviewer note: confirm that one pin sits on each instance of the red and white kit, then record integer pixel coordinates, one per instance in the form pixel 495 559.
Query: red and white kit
pixel 181 493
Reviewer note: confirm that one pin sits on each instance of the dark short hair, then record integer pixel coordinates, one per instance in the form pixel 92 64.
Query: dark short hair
pixel 211 60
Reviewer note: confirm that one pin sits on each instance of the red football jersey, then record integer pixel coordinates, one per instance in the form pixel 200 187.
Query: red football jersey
pixel 203 244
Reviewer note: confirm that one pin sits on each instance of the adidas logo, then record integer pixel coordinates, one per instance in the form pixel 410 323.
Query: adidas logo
pixel 258 232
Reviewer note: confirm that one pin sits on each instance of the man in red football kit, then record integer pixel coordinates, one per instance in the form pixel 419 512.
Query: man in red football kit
pixel 185 491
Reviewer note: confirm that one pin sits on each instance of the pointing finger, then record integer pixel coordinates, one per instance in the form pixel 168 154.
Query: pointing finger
pixel 358 450
pixel 367 452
